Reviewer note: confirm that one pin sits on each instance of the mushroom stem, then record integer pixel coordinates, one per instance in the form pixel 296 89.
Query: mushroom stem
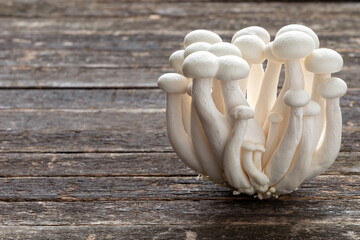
pixel 315 96
pixel 217 95
pixel 233 169
pixel 301 164
pixel 255 80
pixel 330 146
pixel 268 91
pixel 233 96
pixel 272 139
pixel 215 125
pixel 205 155
pixel 178 138
pixel 185 112
pixel 284 153
pixel 308 76
pixel 294 79
pixel 257 178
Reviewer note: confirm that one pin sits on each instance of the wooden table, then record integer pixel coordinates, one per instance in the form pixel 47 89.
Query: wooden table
pixel 85 153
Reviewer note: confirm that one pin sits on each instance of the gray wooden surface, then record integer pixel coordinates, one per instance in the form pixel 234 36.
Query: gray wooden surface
pixel 84 149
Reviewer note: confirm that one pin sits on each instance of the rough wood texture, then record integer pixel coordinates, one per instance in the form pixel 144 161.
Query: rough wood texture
pixel 84 149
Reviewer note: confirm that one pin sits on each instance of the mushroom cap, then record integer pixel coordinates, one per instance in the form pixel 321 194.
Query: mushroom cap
pixel 201 35
pixel 251 47
pixel 296 97
pixel 270 56
pixel 312 109
pixel 248 146
pixel 241 112
pixel 196 47
pixel 292 45
pixel 275 117
pixel 324 60
pixel 301 28
pixel 232 68
pixel 332 88
pixel 200 64
pixel 176 60
pixel 224 48
pixel 253 30
pixel 173 83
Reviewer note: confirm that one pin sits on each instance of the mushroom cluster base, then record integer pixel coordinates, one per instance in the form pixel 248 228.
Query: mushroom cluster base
pixel 227 121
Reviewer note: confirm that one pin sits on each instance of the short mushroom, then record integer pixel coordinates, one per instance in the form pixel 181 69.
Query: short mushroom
pixel 175 85
pixel 233 169
pixel 322 62
pixel 331 89
pixel 281 160
pixel 252 49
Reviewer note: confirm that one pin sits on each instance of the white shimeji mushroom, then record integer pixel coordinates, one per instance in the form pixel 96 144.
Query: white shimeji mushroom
pixel 331 89
pixel 281 160
pixel 297 27
pixel 176 60
pixel 301 165
pixel 203 150
pixel 202 67
pixel 268 90
pixel 221 49
pixel 270 146
pixel 209 37
pixel 252 49
pixel 233 169
pixel 290 46
pixel 322 62
pixel 175 85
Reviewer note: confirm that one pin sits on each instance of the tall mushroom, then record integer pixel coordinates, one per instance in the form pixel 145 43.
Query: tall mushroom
pixel 221 49
pixel 284 153
pixel 202 67
pixel 292 47
pixel 302 161
pixel 206 157
pixel 331 89
pixel 176 60
pixel 252 49
pixel 268 90
pixel 202 35
pixel 297 27
pixel 175 85
pixel 322 62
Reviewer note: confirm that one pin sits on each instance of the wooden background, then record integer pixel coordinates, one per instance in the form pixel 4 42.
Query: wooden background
pixel 84 149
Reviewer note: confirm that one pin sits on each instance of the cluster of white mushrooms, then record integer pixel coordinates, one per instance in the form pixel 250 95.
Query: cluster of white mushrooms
pixel 226 121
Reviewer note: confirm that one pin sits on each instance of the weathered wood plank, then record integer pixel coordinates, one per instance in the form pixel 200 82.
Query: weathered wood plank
pixel 106 98
pixel 157 188
pixel 300 230
pixel 107 130
pixel 78 8
pixel 123 164
pixel 233 212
